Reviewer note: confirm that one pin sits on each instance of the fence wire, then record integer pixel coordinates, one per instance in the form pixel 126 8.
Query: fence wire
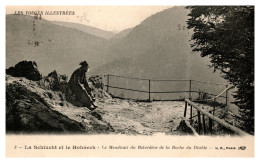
pixel 162 90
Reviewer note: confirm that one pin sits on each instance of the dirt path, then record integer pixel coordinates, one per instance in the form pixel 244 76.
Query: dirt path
pixel 129 117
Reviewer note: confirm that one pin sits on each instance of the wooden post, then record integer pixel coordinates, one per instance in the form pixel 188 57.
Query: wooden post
pixel 213 112
pixel 107 83
pixel 185 109
pixel 210 124
pixel 204 124
pixel 190 91
pixel 190 114
pixel 226 95
pixel 214 106
pixel 149 90
pixel 103 82
pixel 199 122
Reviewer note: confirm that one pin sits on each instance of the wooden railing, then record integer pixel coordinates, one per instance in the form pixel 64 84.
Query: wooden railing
pixel 201 113
pixel 108 84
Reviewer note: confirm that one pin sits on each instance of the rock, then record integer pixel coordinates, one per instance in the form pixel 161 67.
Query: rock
pixel 27 112
pixel 96 81
pixel 57 77
pixel 32 109
pixel 27 69
pixel 54 81
pixel 97 86
pixel 97 115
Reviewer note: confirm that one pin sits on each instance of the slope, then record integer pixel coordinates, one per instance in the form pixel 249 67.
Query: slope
pixel 159 48
pixel 121 34
pixel 51 46
pixel 32 109
pixel 87 29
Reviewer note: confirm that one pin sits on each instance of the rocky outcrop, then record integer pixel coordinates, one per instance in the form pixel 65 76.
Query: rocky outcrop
pixel 36 104
pixel 27 69
pixel 57 79
pixel 54 81
pixel 27 112
pixel 33 109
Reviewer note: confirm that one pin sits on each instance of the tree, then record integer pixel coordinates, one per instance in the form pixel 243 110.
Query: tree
pixel 226 35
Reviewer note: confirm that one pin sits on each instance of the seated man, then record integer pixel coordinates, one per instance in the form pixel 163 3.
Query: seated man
pixel 80 89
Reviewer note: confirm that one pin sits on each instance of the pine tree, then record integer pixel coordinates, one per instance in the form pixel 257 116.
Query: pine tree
pixel 226 35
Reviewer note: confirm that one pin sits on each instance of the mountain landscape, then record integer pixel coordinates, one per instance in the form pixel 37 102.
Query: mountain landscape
pixel 158 44
pixel 158 48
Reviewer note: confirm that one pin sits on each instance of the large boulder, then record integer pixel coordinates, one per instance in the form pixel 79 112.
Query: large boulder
pixel 27 69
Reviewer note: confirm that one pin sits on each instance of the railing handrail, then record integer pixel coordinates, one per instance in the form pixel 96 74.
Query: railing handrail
pixel 207 82
pixel 218 120
pixel 219 95
pixel 126 77
pixel 149 91
pixel 154 92
pixel 164 79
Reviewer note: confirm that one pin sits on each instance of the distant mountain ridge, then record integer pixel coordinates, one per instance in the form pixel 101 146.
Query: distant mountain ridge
pixel 122 34
pixel 159 47
pixel 88 29
pixel 159 44
pixel 52 46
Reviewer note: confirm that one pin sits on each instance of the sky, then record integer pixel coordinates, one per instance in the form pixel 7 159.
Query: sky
pixel 110 18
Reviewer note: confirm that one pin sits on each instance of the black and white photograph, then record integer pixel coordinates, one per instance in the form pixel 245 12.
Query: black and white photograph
pixel 176 71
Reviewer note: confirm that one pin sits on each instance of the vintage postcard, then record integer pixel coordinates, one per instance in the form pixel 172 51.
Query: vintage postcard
pixel 130 81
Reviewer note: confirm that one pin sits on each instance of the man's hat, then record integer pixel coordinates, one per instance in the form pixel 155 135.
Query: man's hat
pixel 84 63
